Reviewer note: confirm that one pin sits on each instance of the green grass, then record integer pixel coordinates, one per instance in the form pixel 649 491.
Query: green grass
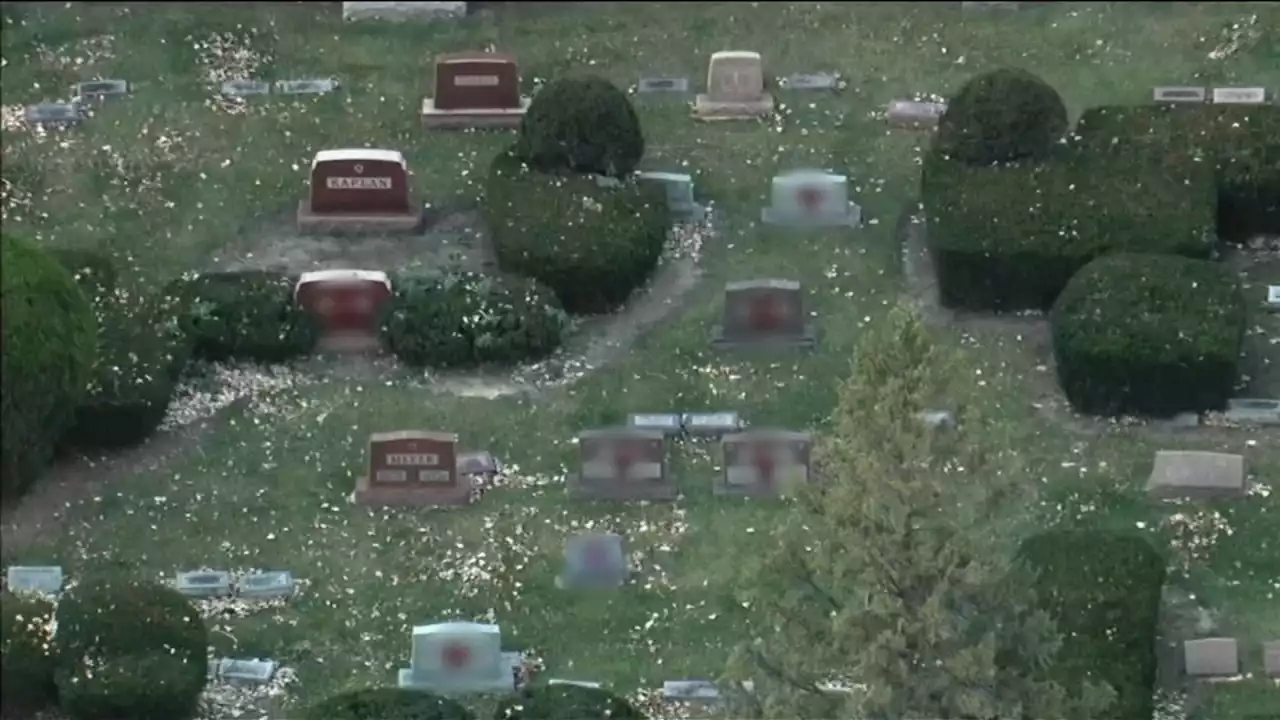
pixel 166 179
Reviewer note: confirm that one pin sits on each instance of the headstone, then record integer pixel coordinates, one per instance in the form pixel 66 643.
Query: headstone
pixel 690 691
pixel 914 114
pixel 939 419
pixel 100 89
pixel 663 85
pixel 1271 658
pixel 44 579
pixel 1273 298
pixel 347 305
pixel 735 88
pixel 475 90
pixel 594 560
pixel 622 464
pixel 359 190
pixel 1253 411
pixel 1240 96
pixel 1212 657
pixel 1196 474
pixel 479 464
pixel 244 672
pixel 810 81
pixel 764 463
pixel 245 87
pixel 711 424
pixel 458 658
pixel 1180 94
pixel 578 683
pixel 401 11
pixel 271 585
pixel 679 189
pixel 766 312
pixel 413 467
pixel 313 86
pixel 666 423
pixel 811 198
pixel 56 115
pixel 204 583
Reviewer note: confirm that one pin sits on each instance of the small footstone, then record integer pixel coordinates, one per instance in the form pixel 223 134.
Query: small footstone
pixel 668 423
pixel 711 424
pixel 267 585
pixel 204 583
pixel 246 672
pixel 245 88
pixel 663 85
pixel 44 579
pixel 810 81
pixel 314 86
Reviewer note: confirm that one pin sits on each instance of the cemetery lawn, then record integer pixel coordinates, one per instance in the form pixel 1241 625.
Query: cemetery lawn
pixel 165 177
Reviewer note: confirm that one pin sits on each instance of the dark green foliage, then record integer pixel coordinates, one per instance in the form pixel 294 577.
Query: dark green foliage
pixel 26 655
pixel 592 246
pixel 1003 115
pixel 561 702
pixel 243 315
pixel 1253 699
pixel 581 124
pixel 1240 142
pixel 387 704
pixel 128 629
pixel 1103 591
pixel 141 354
pixel 1009 237
pixel 48 341
pixel 93 271
pixel 468 319
pixel 1148 335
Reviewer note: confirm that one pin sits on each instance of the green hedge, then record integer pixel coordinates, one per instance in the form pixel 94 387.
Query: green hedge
pixel 387 704
pixel 93 271
pixel 1103 590
pixel 1149 335
pixel 1009 237
pixel 112 631
pixel 26 654
pixel 243 315
pixel 581 124
pixel 562 702
pixel 1240 142
pixel 48 341
pixel 1006 114
pixel 468 319
pixel 593 246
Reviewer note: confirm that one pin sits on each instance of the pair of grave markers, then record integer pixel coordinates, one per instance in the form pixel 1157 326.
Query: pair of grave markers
pixel 1182 95
pixel 208 584
pixel 248 87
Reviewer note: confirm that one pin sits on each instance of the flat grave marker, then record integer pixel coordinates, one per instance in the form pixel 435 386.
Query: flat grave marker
pixel 913 114
pixel 245 672
pixel 735 88
pixel 204 583
pixel 460 658
pixel 680 198
pixel 43 579
pixel 764 463
pixel 594 561
pixel 1196 474
pixel 690 691
pixel 91 90
pixel 1180 95
pixel 479 464
pixel 810 81
pixel 1240 96
pixel 1273 298
pixel 763 313
pixel 811 199
pixel 413 468
pixel 347 304
pixel 53 115
pixel 245 87
pixel 357 190
pixel 711 424
pixel 475 90
pixel 625 464
pixel 1253 411
pixel 651 85
pixel 668 424
pixel 578 683
pixel 938 419
pixel 269 585
pixel 1271 658
pixel 310 86
pixel 1211 657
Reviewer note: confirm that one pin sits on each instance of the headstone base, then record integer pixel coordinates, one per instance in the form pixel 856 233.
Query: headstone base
pixel 851 218
pixel 691 214
pixel 350 343
pixel 501 684
pixel 401 11
pixel 313 223
pixel 508 118
pixel 708 110
pixel 650 491
pixel 566 582
pixel 807 340
pixel 411 496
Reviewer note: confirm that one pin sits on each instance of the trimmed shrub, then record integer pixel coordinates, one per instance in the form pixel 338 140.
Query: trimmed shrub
pixel 1148 334
pixel 467 319
pixel 26 654
pixel 1241 142
pixel 583 125
pixel 113 633
pixel 1103 591
pixel 93 271
pixel 1003 115
pixel 243 315
pixel 592 245
pixel 1009 237
pixel 48 341
pixel 387 704
pixel 559 702
pixel 141 354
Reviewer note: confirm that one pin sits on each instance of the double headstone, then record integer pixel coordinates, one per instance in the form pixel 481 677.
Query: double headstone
pixel 623 464
pixel 458 658
pixel 768 312
pixel 413 467
pixel 764 463
pixel 811 198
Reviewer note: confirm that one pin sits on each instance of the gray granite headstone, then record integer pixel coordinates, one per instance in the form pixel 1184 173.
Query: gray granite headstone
pixel 244 88
pixel 313 86
pixel 810 81
pixel 45 579
pixel 594 560
pixel 96 89
pixel 276 584
pixel 1196 474
pixel 1212 657
pixel 811 198
pixel 478 462
pixel 649 85
pixel 1253 411
pixel 679 190
pixel 460 658
pixel 1180 94
pixel 1271 658
pixel 766 312
pixel 711 424
pixel 204 583
pixel 244 672
pixel 667 423
pixel 55 114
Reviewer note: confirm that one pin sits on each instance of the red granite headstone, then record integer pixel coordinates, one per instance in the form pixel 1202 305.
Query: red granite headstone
pixel 481 81
pixel 413 467
pixel 344 301
pixel 623 464
pixel 764 463
pixel 359 182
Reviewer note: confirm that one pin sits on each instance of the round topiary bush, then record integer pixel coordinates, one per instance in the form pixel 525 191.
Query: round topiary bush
pixel 26 654
pixel 113 632
pixel 1148 335
pixel 243 315
pixel 93 271
pixel 556 702
pixel 141 353
pixel 592 245
pixel 387 704
pixel 581 124
pixel 999 116
pixel 48 341
pixel 467 319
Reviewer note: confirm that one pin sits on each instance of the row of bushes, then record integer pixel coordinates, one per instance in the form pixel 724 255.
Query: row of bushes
pixel 546 702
